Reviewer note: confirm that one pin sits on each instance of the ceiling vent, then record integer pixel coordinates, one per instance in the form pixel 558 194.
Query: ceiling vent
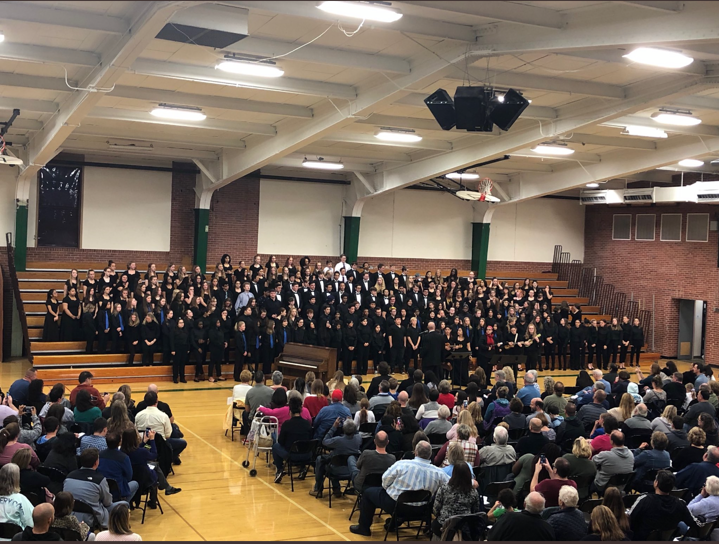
pixel 638 196
pixel 589 198
pixel 209 25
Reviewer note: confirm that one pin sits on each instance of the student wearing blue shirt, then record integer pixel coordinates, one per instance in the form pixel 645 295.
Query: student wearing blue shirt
pixel 19 388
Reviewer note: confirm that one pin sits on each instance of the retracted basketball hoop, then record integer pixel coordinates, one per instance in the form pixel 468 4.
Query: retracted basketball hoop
pixel 483 194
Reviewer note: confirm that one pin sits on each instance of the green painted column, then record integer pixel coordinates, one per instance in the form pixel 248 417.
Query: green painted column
pixel 20 237
pixel 202 227
pixel 351 241
pixel 480 246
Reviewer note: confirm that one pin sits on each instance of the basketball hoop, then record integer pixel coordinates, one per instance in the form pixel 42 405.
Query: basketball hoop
pixel 485 190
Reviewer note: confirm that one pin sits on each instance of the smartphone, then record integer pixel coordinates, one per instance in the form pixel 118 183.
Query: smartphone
pixel 147 431
pixel 542 458
pixel 399 423
pixel 27 410
pixel 466 403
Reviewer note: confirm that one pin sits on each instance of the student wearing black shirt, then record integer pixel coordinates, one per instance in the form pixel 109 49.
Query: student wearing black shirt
pixel 626 336
pixel 577 342
pixel 550 341
pixel 198 345
pixel 132 337
pixel 242 349
pixel 397 342
pixel 636 340
pixel 180 346
pixel 592 336
pixel 217 345
pixel 149 333
pixel 117 329
pixel 411 344
pixel 364 341
pixel 349 345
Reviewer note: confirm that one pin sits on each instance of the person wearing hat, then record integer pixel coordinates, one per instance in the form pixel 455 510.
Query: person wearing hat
pixel 327 415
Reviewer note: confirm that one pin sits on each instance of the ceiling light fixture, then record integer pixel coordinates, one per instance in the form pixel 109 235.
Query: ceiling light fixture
pixel 369 11
pixel 131 148
pixel 663 58
pixel 462 176
pixel 553 148
pixel 691 163
pixel 645 132
pixel 397 135
pixel 250 67
pixel 322 164
pixel 682 118
pixel 179 113
pixel 2 37
pixel 592 185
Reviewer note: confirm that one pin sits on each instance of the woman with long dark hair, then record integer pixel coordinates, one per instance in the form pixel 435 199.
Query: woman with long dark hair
pixel 180 348
pixel 150 333
pixel 217 345
pixel 51 327
pixel 455 498
pixel 70 329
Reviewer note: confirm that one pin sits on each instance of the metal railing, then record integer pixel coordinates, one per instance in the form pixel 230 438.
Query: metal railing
pixel 18 297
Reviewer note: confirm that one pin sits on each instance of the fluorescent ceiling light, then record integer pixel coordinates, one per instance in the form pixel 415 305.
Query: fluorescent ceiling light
pixel 181 113
pixel 2 37
pixel 553 149
pixel 131 148
pixel 362 10
pixel 250 68
pixel 691 163
pixel 462 176
pixel 663 58
pixel 321 164
pixel 397 135
pixel 682 119
pixel 592 185
pixel 646 132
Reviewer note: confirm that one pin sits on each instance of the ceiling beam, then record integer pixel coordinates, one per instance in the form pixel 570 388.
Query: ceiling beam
pixel 408 23
pixel 43 54
pixel 369 139
pixel 16 140
pixel 513 167
pixel 611 141
pixel 396 121
pixel 208 124
pixel 104 148
pixel 28 104
pixel 524 81
pixel 318 54
pixel 416 100
pixel 125 134
pixel 35 82
pixel 116 58
pixel 574 157
pixel 698 130
pixel 210 75
pixel 20 123
pixel 701 102
pixel 507 12
pixel 37 14
pixel 658 5
pixel 209 101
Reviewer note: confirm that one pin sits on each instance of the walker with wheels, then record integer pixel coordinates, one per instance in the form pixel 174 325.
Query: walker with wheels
pixel 262 435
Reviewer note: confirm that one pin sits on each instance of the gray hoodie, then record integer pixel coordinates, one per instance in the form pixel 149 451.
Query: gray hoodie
pixel 609 463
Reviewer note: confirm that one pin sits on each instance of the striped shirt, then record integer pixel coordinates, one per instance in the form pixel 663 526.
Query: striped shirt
pixel 413 475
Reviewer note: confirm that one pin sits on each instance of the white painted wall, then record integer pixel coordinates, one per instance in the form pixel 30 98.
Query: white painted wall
pixel 126 209
pixel 529 230
pixel 7 201
pixel 299 217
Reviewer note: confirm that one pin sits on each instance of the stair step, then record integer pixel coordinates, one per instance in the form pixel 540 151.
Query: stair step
pixel 120 374
pixel 570 300
pixel 507 275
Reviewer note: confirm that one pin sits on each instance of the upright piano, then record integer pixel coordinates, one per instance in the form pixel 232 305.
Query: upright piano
pixel 298 359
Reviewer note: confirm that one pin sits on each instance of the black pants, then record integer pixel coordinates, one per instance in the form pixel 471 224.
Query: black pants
pixel 215 364
pixel 377 357
pixel 347 357
pixel 636 350
pixel 90 342
pixel 576 356
pixel 166 353
pixel 460 371
pixel 147 353
pixel 612 351
pixel 102 338
pixel 362 353
pixel 239 363
pixel 397 354
pixel 533 358
pixel 131 348
pixel 200 358
pixel 623 353
pixel 603 356
pixel 410 353
pixel 116 342
pixel 372 498
pixel 549 350
pixel 590 360
pixel 562 355
pixel 179 360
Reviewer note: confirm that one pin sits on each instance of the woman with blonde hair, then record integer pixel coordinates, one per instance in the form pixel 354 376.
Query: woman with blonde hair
pixel 464 418
pixel 316 400
pixel 119 526
pixel 664 423
pixel 581 465
pixel 14 507
pixel 509 377
pixel 119 420
pixel 604 526
pixel 532 342
pixel 625 408
pixel 548 387
pixel 337 381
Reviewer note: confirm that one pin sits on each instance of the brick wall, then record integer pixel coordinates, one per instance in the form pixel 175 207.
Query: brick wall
pixel 658 274
pixel 234 220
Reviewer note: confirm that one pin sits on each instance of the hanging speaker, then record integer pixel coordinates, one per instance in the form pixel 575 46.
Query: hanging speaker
pixel 471 107
pixel 505 113
pixel 442 107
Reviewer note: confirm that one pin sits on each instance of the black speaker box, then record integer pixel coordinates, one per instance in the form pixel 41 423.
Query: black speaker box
pixel 442 107
pixel 471 107
pixel 505 113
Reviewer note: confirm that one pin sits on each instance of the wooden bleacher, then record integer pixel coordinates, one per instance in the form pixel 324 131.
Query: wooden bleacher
pixel 61 360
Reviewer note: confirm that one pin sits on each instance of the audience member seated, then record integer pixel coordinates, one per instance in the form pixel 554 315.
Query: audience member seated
pixel 63 455
pixel 676 435
pixel 14 507
pixel 90 486
pixel 326 417
pixel 506 501
pixel 589 413
pixel 40 529
pixel 19 388
pixel 43 445
pixel 410 425
pixel 568 522
pixel 30 426
pixel 705 504
pixel 364 415
pixel 316 400
pixel 530 390
pixel 580 464
pixel 381 398
pixel 625 408
pixel 499 453
pixel 85 411
pixel 65 519
pixel 445 396
pixel 469 448
pixel 239 392
pixel 383 369
pixel 703 406
pixel 30 481
pixel 120 420
pixel 618 460
pixel 604 526
pixel 116 465
pixel 142 451
pixel 280 408
pixel 534 441
pixel 556 399
pixel 708 424
pixel 574 428
pixel 693 476
pixel 526 525
pixel 348 443
pixel 465 418
pixel 558 477
pixel 56 396
pixel 119 526
pixel 536 407
pixel 9 444
pixel 639 419
pixel 455 456
pixel 259 395
pixel 375 461
pixel 455 498
pixel 515 419
pixel 85 379
pixel 295 429
pixel 614 500
pixel 155 419
pixel 161 405
pixel 427 412
pixel 603 428
pixel 659 511
pixel 406 475
pixel 97 438
pixel 441 425
pixel 36 398
pixel 647 459
pixel 692 454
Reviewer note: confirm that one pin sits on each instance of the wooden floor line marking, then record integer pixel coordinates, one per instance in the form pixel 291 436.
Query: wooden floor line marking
pixel 273 488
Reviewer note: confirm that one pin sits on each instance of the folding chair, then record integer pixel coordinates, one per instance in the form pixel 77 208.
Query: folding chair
pixel 68 535
pixel 411 506
pixel 9 530
pixel 472 526
pixel 145 498
pixel 620 481
pixel 662 536
pixel 300 448
pixel 334 468
pixel 588 506
pixel 55 474
pixel 84 508
pixel 629 500
pixel 371 480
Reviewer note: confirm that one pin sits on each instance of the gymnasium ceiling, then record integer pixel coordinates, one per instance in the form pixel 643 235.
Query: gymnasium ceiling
pixel 85 76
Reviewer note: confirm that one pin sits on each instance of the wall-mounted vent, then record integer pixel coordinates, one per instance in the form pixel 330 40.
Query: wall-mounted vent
pixel 622 227
pixel 638 195
pixel 671 227
pixel 697 227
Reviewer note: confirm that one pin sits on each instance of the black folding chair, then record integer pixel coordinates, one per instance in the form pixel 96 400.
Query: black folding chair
pixel 701 532
pixel 588 506
pixel 583 482
pixel 411 506
pixel 35 496
pixel 68 535
pixel 371 480
pixel 516 434
pixel 55 474
pixel 662 535
pixel 620 481
pixel 472 527
pixel 679 493
pixel 635 438
pixel 301 449
pixel 145 496
pixel 676 452
pixel 9 530
pixel 84 508
pixel 334 471
pixel 238 409
pixel 368 428
pixel 114 489
pixel 629 500
pixel 492 490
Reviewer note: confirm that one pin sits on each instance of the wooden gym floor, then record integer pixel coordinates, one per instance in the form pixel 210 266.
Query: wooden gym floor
pixel 219 499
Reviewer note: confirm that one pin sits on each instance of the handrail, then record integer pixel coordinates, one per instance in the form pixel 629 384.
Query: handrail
pixel 18 297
